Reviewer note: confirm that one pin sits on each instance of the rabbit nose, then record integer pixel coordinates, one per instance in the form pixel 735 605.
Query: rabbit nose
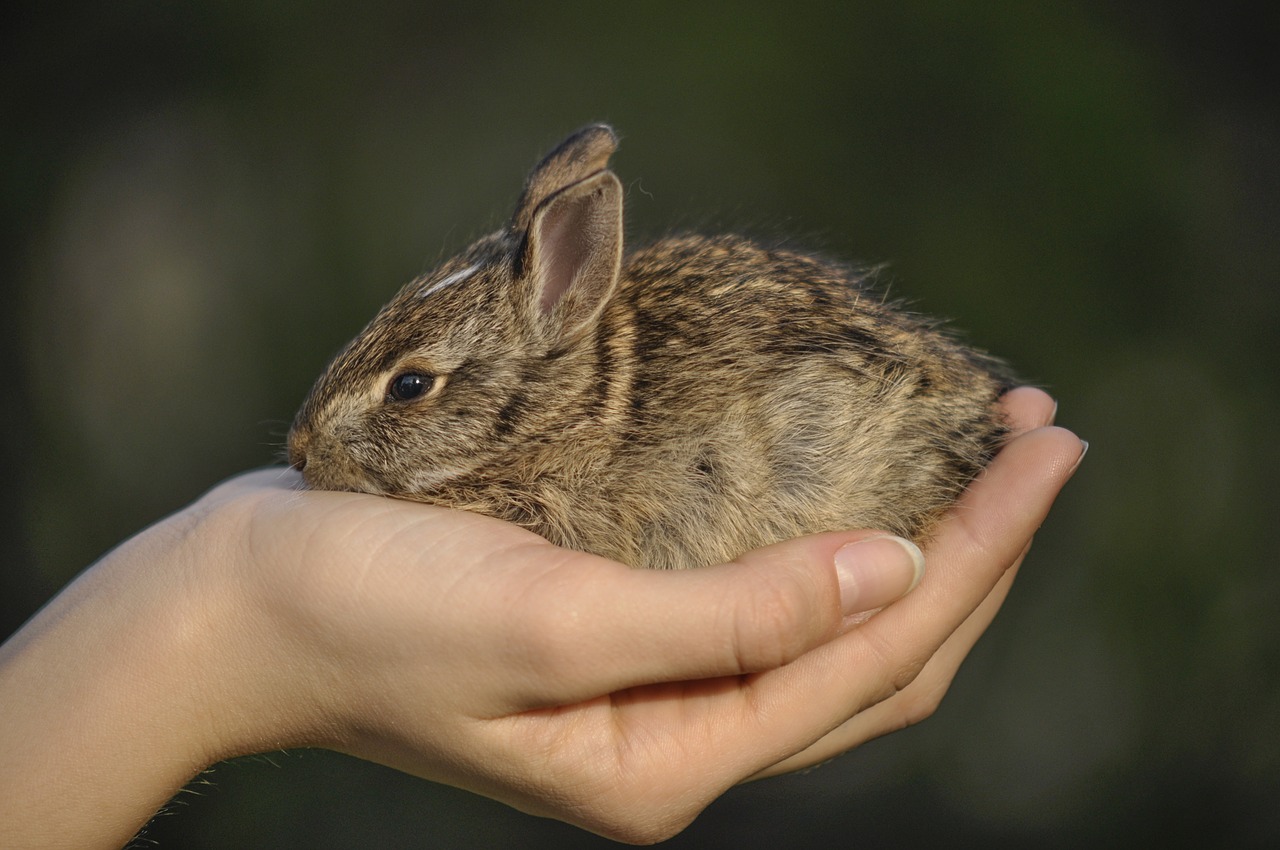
pixel 297 451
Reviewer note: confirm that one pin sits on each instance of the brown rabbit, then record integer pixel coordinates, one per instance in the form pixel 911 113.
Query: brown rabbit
pixel 671 408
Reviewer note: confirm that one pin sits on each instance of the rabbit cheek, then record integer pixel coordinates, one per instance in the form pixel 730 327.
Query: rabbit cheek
pixel 403 453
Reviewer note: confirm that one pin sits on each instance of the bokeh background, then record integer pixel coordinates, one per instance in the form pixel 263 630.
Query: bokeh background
pixel 200 202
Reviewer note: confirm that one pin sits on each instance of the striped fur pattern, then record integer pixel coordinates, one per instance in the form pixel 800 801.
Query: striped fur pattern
pixel 669 408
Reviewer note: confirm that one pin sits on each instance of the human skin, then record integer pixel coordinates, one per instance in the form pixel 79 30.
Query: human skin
pixel 471 652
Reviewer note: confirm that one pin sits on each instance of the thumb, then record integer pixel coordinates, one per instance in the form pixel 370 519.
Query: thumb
pixel 875 571
pixel 765 609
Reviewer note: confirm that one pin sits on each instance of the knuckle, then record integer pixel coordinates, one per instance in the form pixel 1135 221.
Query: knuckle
pixel 628 792
pixel 649 821
pixel 633 830
pixel 546 641
pixel 898 672
pixel 905 674
pixel 923 703
pixel 916 688
pixel 776 622
pixel 550 623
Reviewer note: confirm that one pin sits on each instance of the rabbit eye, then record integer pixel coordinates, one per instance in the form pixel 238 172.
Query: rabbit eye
pixel 409 386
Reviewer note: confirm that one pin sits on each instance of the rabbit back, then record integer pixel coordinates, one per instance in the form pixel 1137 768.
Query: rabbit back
pixel 734 395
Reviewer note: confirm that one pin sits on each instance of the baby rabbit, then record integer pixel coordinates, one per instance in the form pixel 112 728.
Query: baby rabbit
pixel 670 407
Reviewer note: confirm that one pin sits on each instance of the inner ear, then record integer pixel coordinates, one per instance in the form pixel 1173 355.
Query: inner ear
pixel 565 234
pixel 574 253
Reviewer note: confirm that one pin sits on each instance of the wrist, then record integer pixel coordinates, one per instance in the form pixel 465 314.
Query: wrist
pixel 265 636
pixel 102 705
pixel 261 683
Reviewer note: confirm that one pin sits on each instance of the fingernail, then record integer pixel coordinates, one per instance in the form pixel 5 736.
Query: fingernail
pixel 876 571
pixel 1084 450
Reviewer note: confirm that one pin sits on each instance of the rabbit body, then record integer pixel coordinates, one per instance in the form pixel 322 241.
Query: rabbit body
pixel 702 397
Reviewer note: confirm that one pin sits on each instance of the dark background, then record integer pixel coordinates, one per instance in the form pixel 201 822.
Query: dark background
pixel 200 202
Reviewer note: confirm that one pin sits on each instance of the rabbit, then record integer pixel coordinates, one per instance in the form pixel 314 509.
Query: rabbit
pixel 668 408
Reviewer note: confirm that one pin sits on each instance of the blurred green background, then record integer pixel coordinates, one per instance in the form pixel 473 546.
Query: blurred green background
pixel 200 202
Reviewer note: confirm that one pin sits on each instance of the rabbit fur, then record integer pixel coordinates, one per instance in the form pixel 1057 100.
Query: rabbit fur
pixel 667 408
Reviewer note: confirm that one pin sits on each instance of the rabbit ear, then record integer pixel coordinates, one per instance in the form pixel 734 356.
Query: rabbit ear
pixel 572 254
pixel 578 157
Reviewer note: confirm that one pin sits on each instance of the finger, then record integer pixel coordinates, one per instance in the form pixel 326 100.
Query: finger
pixel 916 702
pixel 622 628
pixel 941 668
pixel 1027 408
pixel 984 537
pixel 981 538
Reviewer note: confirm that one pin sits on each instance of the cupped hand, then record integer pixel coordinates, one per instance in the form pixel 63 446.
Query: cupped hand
pixel 468 651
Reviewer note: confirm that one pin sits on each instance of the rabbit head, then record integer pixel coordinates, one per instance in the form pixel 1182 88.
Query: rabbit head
pixel 431 389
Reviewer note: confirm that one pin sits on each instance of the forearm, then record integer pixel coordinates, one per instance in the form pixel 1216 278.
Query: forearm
pixel 104 715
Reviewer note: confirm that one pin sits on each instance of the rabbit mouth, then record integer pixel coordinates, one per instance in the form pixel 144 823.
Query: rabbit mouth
pixel 327 476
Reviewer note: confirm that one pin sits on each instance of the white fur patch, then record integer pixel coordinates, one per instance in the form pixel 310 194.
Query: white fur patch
pixel 456 277
pixel 429 479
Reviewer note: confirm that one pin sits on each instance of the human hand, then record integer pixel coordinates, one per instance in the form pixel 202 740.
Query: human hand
pixel 901 662
pixel 469 651
pixel 621 700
